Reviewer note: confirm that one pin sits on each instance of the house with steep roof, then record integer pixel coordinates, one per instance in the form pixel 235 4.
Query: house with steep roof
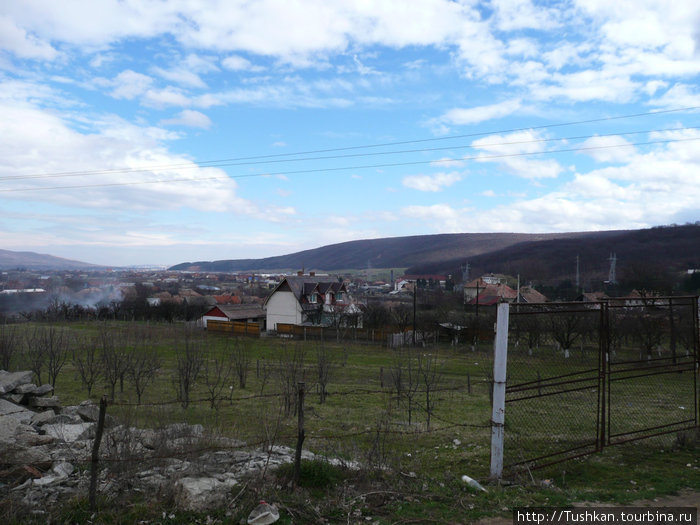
pixel 529 295
pixel 307 299
pixel 487 293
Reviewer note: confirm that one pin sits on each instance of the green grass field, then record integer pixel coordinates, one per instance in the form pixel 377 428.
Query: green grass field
pixel 411 471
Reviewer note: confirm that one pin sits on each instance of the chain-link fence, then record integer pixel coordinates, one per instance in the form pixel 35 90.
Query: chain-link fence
pixel 585 375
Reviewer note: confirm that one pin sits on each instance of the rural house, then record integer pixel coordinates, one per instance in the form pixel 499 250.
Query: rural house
pixel 246 313
pixel 307 299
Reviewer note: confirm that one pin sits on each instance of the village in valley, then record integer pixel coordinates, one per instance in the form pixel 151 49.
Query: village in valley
pixel 273 302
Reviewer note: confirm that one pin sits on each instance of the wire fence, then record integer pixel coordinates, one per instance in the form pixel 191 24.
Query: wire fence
pixel 585 376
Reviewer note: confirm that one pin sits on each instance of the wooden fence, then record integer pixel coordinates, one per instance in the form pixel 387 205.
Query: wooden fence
pixel 234 327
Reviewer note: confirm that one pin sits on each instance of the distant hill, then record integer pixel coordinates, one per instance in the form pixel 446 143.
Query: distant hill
pixel 640 252
pixel 10 260
pixel 393 252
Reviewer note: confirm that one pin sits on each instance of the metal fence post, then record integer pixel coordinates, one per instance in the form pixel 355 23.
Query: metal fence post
pixel 499 390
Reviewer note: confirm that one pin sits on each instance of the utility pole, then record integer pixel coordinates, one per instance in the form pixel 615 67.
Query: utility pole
pixel 578 276
pixel 415 291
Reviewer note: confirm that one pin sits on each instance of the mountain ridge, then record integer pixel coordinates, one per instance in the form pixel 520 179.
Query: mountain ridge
pixel 10 260
pixel 387 252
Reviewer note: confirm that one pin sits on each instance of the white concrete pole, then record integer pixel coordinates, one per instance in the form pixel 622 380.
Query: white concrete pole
pixel 499 390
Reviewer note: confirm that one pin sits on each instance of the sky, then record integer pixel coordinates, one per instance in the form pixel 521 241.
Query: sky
pixel 157 132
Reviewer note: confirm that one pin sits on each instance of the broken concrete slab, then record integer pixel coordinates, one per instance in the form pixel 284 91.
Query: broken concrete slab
pixel 15 398
pixel 39 418
pixel 68 432
pixel 42 390
pixel 11 380
pixel 14 453
pixel 24 389
pixel 44 402
pixel 202 493
pixel 11 415
pixel 27 436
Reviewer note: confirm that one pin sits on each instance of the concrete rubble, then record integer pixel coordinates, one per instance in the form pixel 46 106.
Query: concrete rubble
pixel 45 452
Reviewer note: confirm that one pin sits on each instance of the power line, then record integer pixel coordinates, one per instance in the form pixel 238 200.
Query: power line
pixel 353 155
pixel 345 168
pixel 278 157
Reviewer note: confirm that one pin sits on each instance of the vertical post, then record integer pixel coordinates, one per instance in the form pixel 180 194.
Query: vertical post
pixel 499 391
pixel 300 432
pixel 96 453
pixel 415 291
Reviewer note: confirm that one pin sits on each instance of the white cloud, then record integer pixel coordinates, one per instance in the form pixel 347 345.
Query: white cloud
pixel 522 14
pixel 608 149
pixel 22 44
pixel 40 142
pixel 130 84
pixel 447 163
pixel 238 63
pixel 162 98
pixel 184 77
pixel 434 182
pixel 190 118
pixel 463 116
pixel 678 96
pixel 515 151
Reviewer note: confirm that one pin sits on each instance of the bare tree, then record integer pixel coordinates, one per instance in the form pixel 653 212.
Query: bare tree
pixel 430 369
pixel 113 354
pixel 143 363
pixel 324 367
pixel 405 375
pixel 9 343
pixel 56 342
pixel 264 371
pixel 566 329
pixel 87 363
pixel 217 371
pixel 189 360
pixel 241 361
pixel 289 373
pixel 35 353
pixel 648 332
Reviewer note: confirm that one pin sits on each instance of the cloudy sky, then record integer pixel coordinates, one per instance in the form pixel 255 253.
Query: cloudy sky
pixel 151 132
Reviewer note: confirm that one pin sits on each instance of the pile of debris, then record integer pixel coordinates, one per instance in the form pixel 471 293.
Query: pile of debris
pixel 44 447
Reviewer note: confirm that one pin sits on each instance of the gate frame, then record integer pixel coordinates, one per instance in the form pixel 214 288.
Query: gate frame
pixel 603 437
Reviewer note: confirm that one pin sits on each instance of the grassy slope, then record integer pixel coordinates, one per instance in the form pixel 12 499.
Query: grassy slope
pixel 423 479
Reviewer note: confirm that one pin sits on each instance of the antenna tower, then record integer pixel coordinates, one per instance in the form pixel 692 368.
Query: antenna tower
pixel 465 272
pixel 612 277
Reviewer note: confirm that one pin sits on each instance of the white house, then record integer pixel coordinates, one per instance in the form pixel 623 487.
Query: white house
pixel 307 299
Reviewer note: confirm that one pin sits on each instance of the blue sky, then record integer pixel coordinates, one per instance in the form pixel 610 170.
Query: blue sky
pixel 138 132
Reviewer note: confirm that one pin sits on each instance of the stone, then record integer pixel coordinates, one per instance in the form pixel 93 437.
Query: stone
pixel 198 494
pixel 11 415
pixel 91 414
pixel 26 435
pixel 44 402
pixel 63 419
pixel 24 389
pixel 12 452
pixel 68 432
pixel 39 418
pixel 11 380
pixel 18 399
pixel 42 390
